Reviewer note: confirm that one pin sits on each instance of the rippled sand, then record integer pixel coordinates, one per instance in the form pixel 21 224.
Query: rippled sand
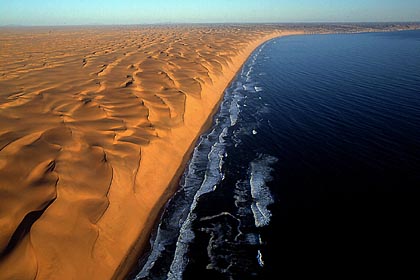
pixel 95 127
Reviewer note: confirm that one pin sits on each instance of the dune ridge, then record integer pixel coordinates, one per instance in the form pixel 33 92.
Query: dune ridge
pixel 96 125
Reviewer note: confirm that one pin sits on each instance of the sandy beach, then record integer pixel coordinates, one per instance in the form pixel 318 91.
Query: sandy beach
pixel 96 125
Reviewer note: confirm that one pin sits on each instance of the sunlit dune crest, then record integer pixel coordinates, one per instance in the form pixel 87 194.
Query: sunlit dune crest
pixel 96 125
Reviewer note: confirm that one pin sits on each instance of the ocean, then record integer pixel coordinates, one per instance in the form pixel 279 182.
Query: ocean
pixel 312 165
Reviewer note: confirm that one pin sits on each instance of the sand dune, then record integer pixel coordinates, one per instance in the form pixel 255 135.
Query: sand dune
pixel 95 126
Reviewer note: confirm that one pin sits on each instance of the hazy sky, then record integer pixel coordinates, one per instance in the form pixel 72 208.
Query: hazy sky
pixel 73 12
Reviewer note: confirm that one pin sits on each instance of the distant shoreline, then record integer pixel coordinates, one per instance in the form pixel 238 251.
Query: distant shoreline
pixel 343 26
pixel 228 23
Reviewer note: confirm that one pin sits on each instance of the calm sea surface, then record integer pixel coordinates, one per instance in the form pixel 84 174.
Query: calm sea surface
pixel 313 163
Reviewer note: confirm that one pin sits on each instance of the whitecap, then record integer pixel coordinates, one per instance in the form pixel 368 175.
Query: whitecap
pixel 234 112
pixel 249 87
pixel 260 174
pixel 259 258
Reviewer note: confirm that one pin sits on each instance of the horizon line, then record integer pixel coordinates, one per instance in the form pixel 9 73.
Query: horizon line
pixel 210 23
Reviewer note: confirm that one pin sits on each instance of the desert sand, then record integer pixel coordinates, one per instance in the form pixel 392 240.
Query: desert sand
pixel 96 125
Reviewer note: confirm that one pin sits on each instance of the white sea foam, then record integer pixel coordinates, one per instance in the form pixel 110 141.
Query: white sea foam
pixel 260 174
pixel 249 87
pixel 157 248
pixel 259 258
pixel 202 176
pixel 169 227
pixel 234 112
pixel 212 177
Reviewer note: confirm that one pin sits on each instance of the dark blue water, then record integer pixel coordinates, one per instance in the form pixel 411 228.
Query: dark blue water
pixel 312 165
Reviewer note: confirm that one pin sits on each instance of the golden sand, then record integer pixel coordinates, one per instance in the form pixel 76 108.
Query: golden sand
pixel 96 125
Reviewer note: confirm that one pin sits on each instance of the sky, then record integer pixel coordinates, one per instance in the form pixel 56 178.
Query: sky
pixel 80 12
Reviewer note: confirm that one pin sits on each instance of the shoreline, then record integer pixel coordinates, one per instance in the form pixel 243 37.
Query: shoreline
pixel 97 138
pixel 105 146
pixel 142 245
pixel 141 248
